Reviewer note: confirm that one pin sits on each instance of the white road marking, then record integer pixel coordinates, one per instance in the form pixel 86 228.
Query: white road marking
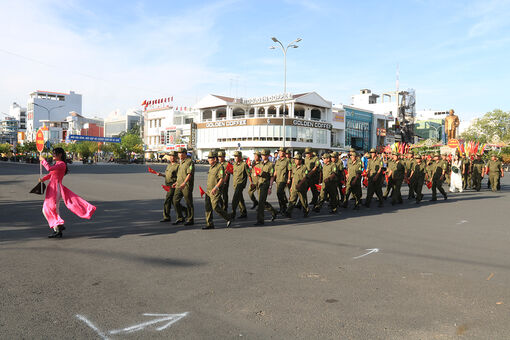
pixel 462 222
pixel 370 251
pixel 91 325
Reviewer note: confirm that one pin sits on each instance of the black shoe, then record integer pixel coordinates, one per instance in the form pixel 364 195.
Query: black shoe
pixel 433 199
pixel 445 197
pixel 243 216
pixel 306 213
pixel 288 215
pixel 189 223
pixel 273 217
pixel 356 207
pixel 317 209
pixel 259 223
pixel 229 222
pixel 178 222
pixel 208 227
pixel 385 197
pixel 165 220
pixel 254 206
pixel 57 232
pixel 331 211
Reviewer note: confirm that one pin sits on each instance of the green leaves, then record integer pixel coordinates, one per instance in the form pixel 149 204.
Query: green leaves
pixel 484 129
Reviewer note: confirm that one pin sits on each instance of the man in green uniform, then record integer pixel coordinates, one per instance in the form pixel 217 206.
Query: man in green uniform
pixel 389 185
pixel 329 186
pixel 408 166
pixel 445 160
pixel 170 178
pixel 265 183
pixel 313 165
pixel 477 167
pixel 375 178
pixel 213 196
pixel 418 177
pixel 299 187
pixel 466 172
pixel 282 169
pixel 254 180
pixel 226 181
pixel 353 182
pixel 239 179
pixel 396 174
pixel 184 188
pixel 340 178
pixel 438 175
pixel 494 168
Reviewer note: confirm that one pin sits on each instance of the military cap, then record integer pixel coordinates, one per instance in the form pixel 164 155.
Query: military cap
pixel 326 155
pixel 265 152
pixel 172 153
pixel 394 153
pixel 437 154
pixel 373 150
pixel 282 149
pixel 352 150
pixel 417 157
pixel 288 152
pixel 182 150
pixel 257 153
pixel 308 150
pixel 238 154
pixel 211 154
pixel 221 153
pixel 297 156
pixel 334 154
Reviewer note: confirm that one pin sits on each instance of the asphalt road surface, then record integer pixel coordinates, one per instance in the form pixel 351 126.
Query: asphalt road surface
pixel 442 270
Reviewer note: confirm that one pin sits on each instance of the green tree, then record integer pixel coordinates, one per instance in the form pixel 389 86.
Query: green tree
pixel 494 123
pixel 131 143
pixel 5 148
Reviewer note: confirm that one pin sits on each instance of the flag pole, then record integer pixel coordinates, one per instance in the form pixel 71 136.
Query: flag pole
pixel 40 171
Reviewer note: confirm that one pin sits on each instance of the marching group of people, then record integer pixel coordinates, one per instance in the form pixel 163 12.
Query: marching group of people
pixel 332 180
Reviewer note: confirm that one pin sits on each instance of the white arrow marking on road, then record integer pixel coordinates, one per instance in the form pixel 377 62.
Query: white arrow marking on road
pixel 170 319
pixel 370 251
pixel 462 222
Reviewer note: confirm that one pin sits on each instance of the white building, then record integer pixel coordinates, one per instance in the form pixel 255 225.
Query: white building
pixel 50 106
pixel 166 128
pixel 117 123
pixel 431 114
pixel 20 114
pixel 79 125
pixel 254 124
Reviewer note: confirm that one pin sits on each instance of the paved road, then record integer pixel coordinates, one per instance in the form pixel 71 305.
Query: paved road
pixel 442 271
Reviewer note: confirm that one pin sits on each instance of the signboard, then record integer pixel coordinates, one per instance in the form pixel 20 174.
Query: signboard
pixel 339 116
pixel 39 140
pixel 381 132
pixel 175 147
pixel 266 121
pixel 453 143
pixel 95 139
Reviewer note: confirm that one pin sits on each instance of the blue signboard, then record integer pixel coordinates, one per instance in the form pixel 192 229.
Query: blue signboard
pixel 95 139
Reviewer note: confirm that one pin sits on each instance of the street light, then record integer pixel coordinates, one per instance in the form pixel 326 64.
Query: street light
pixel 49 111
pixel 284 50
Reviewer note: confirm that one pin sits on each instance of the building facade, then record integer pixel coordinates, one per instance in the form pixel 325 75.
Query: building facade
pixel 253 124
pixel 79 125
pixel 359 125
pixel 50 107
pixel 116 123
pixel 9 130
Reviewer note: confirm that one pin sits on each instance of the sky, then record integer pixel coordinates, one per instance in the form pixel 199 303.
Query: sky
pixel 455 54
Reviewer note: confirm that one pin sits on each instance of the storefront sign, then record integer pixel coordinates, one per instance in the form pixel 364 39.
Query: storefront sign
pixel 381 132
pixel 266 121
pixel 339 117
pixel 268 99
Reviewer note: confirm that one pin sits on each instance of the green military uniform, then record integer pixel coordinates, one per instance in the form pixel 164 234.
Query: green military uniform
pixel 186 168
pixel 477 173
pixel 340 178
pixel 213 201
pixel 466 176
pixel 239 179
pixel 494 170
pixel 282 167
pixel 254 182
pixel 264 182
pixel 448 173
pixel 397 175
pixel 439 167
pixel 170 179
pixel 299 187
pixel 389 185
pixel 226 182
pixel 329 185
pixel 418 177
pixel 312 162
pixel 375 178
pixel 408 168
pixel 353 183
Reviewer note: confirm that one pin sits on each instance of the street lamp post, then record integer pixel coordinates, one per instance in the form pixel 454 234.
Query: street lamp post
pixel 284 50
pixel 49 112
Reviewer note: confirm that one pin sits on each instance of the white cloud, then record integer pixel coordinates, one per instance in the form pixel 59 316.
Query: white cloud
pixel 151 57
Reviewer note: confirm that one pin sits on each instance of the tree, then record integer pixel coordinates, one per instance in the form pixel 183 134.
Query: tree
pixel 494 123
pixel 131 143
pixel 5 148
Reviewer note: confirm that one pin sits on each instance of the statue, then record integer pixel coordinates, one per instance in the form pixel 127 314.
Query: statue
pixel 450 125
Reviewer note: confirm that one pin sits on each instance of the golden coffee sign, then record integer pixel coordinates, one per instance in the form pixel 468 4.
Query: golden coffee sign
pixel 265 121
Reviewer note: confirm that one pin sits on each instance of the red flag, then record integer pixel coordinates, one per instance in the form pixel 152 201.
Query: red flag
pixel 230 168
pixel 429 184
pixel 365 182
pixel 248 161
pixel 144 102
pixel 343 190
pixel 387 178
pixel 152 171
pixel 202 192
pixel 166 187
pixel 172 99
pixel 258 171
pixel 318 187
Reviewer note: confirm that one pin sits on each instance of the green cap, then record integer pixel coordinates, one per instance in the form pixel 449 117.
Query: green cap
pixel 334 154
pixel 211 154
pixel 352 150
pixel 411 152
pixel 182 150
pixel 238 154
pixel 417 157
pixel 221 153
pixel 308 150
pixel 297 156
pixel 257 153
pixel 326 155
pixel 373 150
pixel 172 153
pixel 437 154
pixel 282 149
pixel 265 152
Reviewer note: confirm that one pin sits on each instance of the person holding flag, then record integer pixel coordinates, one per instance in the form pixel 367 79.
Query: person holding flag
pixel 477 166
pixel 313 165
pixel 353 183
pixel 282 175
pixel 299 187
pixel 240 176
pixel 254 179
pixel 213 195
pixel 184 188
pixel 56 191
pixel 417 177
pixel 438 169
pixel 494 169
pixel 329 186
pixel 170 179
pixel 375 178
pixel 396 173
pixel 228 171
